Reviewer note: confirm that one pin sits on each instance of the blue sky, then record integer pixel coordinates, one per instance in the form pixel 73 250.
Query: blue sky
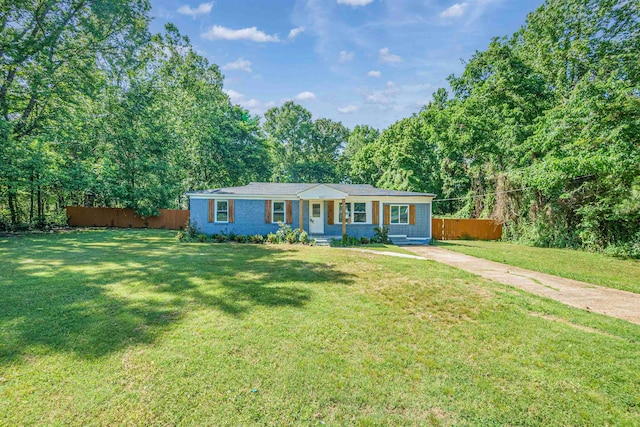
pixel 355 61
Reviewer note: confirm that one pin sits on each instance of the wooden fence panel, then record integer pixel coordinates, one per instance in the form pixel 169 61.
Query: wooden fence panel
pixel 472 229
pixel 171 219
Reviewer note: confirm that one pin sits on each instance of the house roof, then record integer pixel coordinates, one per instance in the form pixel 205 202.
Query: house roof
pixel 293 189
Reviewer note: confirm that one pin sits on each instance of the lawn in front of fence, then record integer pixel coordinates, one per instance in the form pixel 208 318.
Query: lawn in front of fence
pixel 122 327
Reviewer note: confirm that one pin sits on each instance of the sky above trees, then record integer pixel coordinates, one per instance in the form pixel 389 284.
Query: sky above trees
pixel 356 61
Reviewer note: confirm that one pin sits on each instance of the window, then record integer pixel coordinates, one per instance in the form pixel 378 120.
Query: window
pixel 278 212
pixel 347 210
pixel 222 211
pixel 399 214
pixel 359 212
pixel 315 210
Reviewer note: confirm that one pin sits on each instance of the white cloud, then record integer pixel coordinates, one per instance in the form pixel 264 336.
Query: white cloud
pixel 238 64
pixel 235 97
pixel 354 3
pixel 202 9
pixel 253 34
pixel 387 56
pixel 348 109
pixel 346 56
pixel 270 104
pixel 306 96
pixel 374 73
pixel 295 32
pixel 252 103
pixel 455 10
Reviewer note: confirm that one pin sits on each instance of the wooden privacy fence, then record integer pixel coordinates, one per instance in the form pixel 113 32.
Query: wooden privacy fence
pixel 454 229
pixel 125 218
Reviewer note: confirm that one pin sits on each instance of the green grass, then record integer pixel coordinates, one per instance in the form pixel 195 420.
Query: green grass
pixel 594 268
pixel 131 328
pixel 385 248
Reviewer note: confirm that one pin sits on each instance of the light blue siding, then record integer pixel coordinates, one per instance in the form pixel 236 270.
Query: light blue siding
pixel 249 219
pixel 422 227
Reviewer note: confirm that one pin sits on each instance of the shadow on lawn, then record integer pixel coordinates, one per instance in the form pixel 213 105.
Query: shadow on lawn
pixel 94 293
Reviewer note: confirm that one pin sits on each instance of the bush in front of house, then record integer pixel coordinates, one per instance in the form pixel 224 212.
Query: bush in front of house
pixel 256 238
pixel 220 237
pixel 380 235
pixel 272 238
pixel 240 238
pixel 189 234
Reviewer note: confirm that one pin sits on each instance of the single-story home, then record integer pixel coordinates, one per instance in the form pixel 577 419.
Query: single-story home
pixel 322 210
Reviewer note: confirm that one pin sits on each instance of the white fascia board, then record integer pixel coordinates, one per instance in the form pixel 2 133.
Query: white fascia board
pixel 243 197
pixel 322 192
pixel 384 199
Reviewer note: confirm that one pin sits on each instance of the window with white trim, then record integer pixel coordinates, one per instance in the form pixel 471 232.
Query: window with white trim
pixel 399 214
pixel 347 210
pixel 359 212
pixel 222 211
pixel 278 212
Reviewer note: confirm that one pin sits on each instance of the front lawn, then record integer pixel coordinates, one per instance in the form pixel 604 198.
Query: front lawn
pixel 594 268
pixel 129 327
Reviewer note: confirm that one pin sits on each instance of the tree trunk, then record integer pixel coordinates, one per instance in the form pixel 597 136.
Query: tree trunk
pixel 31 201
pixel 40 207
pixel 12 206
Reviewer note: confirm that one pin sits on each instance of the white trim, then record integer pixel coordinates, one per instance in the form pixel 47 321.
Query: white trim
pixel 408 214
pixel 417 238
pixel 350 218
pixel 385 199
pixel 322 215
pixel 430 221
pixel 215 211
pixel 381 223
pixel 321 192
pixel 284 211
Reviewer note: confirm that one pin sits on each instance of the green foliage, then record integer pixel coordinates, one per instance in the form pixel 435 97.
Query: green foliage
pixel 272 238
pixel 220 237
pixel 542 132
pixel 304 238
pixel 240 238
pixel 380 235
pixel 256 238
pixel 303 150
pixel 345 241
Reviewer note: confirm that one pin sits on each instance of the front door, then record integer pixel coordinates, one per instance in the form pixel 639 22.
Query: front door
pixel 316 217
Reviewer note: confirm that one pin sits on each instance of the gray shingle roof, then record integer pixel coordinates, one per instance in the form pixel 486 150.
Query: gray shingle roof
pixel 291 189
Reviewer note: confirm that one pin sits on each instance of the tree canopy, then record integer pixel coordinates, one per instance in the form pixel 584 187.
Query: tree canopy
pixel 540 131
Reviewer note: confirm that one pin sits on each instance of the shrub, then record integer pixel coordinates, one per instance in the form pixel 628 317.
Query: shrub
pixel 220 238
pixel 190 232
pixel 283 231
pixel 345 241
pixel 364 240
pixel 256 238
pixel 202 237
pixel 380 235
pixel 303 238
pixel 240 238
pixel 232 236
pixel 272 238
pixel 292 237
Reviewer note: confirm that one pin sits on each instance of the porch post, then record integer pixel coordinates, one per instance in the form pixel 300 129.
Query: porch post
pixel 301 215
pixel 344 217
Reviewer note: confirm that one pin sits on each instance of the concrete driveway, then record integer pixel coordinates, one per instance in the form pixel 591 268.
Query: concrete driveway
pixel 612 302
